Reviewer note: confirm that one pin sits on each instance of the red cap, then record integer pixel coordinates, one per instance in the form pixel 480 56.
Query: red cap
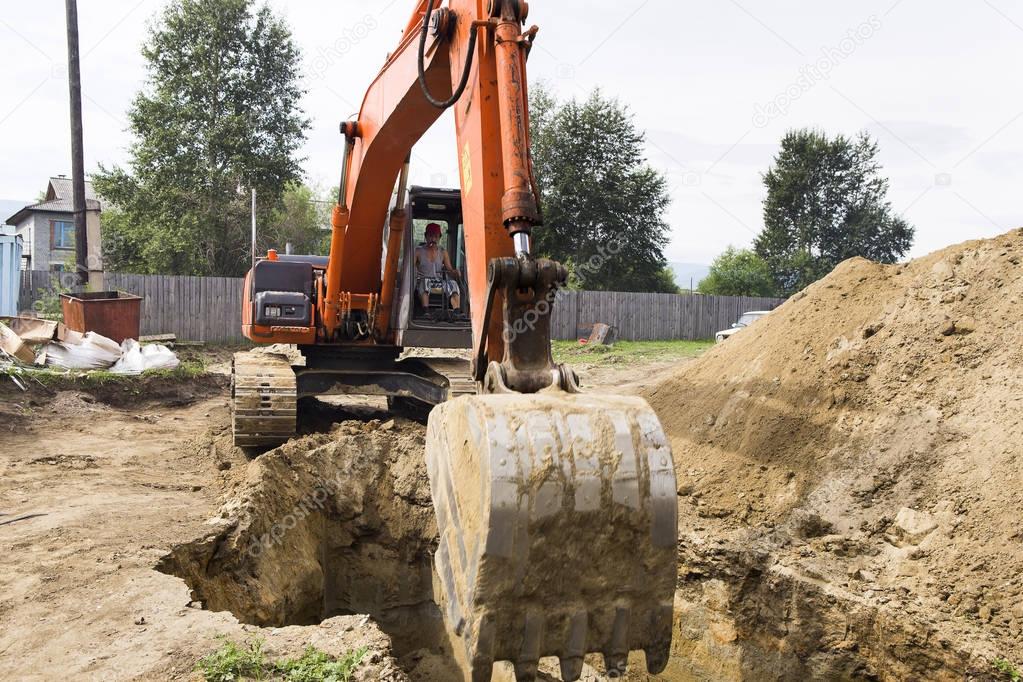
pixel 433 228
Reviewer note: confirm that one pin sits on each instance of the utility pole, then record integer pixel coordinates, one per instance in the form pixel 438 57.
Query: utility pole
pixel 253 227
pixel 77 144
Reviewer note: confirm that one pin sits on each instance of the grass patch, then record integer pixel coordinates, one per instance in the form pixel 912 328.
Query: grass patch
pixel 627 352
pixel 232 662
pixel 316 666
pixel 1008 670
pixel 169 386
pixel 70 379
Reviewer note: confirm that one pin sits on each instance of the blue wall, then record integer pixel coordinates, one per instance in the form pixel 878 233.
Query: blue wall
pixel 10 274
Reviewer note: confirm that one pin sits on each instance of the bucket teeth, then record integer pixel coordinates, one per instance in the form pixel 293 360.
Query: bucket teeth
pixel 616 660
pixel 658 652
pixel 657 659
pixel 526 671
pixel 481 659
pixel 482 673
pixel 578 628
pixel 620 633
pixel 616 665
pixel 529 657
pixel 558 528
pixel 571 669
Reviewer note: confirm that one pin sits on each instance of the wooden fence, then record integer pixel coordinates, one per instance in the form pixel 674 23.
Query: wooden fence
pixel 650 317
pixel 208 309
pixel 34 285
pixel 203 309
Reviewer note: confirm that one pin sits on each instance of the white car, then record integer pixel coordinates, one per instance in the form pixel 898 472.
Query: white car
pixel 744 321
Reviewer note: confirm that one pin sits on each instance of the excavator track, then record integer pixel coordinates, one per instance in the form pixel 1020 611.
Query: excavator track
pixel 558 529
pixel 265 400
pixel 457 371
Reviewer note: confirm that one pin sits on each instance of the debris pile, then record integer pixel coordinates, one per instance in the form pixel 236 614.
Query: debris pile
pixel 18 335
pixel 851 474
pixel 27 342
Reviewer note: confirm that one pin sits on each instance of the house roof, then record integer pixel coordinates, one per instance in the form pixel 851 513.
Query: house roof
pixel 11 206
pixel 61 188
pixel 59 199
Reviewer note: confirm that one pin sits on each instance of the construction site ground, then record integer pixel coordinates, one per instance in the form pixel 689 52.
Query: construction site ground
pixel 96 488
pixel 849 485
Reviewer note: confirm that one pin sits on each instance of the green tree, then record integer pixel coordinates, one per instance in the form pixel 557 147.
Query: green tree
pixel 738 273
pixel 826 202
pixel 219 116
pixel 603 205
pixel 665 281
pixel 302 220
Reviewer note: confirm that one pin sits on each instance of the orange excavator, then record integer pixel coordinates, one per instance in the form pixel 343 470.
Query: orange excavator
pixel 556 509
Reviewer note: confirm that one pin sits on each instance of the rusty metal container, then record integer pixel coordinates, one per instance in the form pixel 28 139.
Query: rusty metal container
pixel 113 314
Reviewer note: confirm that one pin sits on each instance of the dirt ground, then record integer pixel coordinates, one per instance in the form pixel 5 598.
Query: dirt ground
pixel 95 492
pixel 849 475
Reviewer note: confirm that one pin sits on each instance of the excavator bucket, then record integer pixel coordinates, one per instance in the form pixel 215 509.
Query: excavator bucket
pixel 558 530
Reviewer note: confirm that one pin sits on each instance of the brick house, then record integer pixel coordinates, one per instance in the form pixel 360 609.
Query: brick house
pixel 48 228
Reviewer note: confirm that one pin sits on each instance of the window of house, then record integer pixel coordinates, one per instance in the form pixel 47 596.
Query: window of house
pixel 63 234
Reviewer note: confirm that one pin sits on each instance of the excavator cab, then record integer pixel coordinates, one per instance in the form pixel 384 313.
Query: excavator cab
pixel 437 326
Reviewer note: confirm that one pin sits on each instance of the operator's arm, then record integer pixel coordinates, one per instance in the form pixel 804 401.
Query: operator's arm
pixel 447 265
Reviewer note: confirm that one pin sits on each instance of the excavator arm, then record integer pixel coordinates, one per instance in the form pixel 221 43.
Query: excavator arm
pixel 556 509
pixel 478 45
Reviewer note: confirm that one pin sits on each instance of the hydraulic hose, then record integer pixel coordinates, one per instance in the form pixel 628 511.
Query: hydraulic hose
pixel 443 104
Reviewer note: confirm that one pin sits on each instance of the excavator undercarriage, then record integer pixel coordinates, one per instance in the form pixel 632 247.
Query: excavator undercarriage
pixel 267 387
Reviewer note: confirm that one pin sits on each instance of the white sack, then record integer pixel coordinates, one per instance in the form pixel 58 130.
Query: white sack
pixel 93 352
pixel 136 359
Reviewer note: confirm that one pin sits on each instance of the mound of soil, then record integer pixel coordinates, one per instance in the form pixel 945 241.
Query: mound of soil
pixel 126 392
pixel 851 476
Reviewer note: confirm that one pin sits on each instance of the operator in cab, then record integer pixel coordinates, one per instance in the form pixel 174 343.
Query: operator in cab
pixel 432 261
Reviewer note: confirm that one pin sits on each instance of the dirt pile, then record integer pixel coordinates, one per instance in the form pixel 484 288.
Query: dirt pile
pixel 121 393
pixel 851 476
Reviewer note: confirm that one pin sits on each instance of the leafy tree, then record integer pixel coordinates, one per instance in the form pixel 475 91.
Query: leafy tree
pixel 303 220
pixel 219 117
pixel 665 281
pixel 738 273
pixel 603 205
pixel 826 202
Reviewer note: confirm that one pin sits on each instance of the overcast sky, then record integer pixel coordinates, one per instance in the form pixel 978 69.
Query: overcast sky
pixel 714 84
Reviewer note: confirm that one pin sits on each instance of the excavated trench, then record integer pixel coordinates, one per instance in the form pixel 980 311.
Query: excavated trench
pixel 331 524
